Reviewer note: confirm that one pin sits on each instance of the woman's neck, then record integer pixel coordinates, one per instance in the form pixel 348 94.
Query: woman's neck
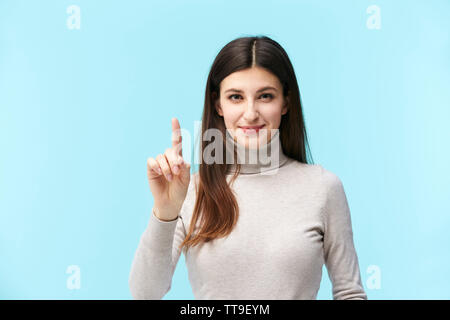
pixel 264 159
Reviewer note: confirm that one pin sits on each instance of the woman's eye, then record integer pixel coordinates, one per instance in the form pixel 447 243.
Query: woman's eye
pixel 233 95
pixel 268 95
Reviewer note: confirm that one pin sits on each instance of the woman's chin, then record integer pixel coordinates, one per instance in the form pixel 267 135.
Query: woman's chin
pixel 250 142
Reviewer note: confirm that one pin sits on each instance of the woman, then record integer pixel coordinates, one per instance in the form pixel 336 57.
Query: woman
pixel 248 229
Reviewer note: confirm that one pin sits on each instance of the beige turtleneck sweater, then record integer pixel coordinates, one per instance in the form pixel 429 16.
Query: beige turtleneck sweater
pixel 294 217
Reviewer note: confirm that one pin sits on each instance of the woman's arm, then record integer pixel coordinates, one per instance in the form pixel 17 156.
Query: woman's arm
pixel 339 251
pixel 156 258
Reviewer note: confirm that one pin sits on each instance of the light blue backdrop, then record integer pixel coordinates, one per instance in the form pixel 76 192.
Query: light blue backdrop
pixel 81 110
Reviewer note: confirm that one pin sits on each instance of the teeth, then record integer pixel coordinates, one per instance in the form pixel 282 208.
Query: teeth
pixel 251 131
pixel 253 128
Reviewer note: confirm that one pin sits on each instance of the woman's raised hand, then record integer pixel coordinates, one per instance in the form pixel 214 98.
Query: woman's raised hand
pixel 169 176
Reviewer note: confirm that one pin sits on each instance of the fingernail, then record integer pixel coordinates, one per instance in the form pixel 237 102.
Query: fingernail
pixel 175 169
pixel 159 171
pixel 169 177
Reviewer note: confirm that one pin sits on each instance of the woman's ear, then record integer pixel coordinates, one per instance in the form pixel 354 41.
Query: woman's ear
pixel 219 109
pixel 285 107
pixel 217 104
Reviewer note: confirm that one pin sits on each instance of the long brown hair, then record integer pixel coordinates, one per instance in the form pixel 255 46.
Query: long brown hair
pixel 215 197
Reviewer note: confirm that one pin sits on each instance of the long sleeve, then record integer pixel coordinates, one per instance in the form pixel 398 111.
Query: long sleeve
pixel 339 252
pixel 156 258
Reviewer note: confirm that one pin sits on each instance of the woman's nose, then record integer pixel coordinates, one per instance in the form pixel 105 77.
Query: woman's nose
pixel 250 112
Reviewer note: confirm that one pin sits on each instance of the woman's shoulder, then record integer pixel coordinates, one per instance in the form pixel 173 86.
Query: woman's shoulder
pixel 310 169
pixel 316 172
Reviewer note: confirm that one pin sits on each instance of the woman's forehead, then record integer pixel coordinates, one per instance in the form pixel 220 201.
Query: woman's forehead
pixel 250 80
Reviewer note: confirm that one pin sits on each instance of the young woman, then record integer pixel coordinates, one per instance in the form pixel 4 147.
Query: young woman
pixel 248 229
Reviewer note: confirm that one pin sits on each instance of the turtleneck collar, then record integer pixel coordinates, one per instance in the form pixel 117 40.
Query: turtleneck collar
pixel 263 160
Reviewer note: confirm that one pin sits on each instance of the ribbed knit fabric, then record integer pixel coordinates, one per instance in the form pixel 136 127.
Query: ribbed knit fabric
pixel 293 219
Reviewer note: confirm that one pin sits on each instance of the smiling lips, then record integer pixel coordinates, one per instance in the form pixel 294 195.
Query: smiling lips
pixel 251 129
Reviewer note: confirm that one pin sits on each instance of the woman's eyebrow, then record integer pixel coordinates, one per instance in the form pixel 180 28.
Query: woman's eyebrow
pixel 262 89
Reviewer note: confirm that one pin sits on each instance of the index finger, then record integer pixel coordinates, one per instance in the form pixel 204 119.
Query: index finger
pixel 176 136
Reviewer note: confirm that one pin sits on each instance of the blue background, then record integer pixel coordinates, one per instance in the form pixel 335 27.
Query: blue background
pixel 81 110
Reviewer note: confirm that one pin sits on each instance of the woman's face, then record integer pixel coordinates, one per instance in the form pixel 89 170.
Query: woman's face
pixel 251 97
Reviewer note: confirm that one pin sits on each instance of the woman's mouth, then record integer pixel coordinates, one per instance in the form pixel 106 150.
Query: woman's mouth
pixel 251 130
